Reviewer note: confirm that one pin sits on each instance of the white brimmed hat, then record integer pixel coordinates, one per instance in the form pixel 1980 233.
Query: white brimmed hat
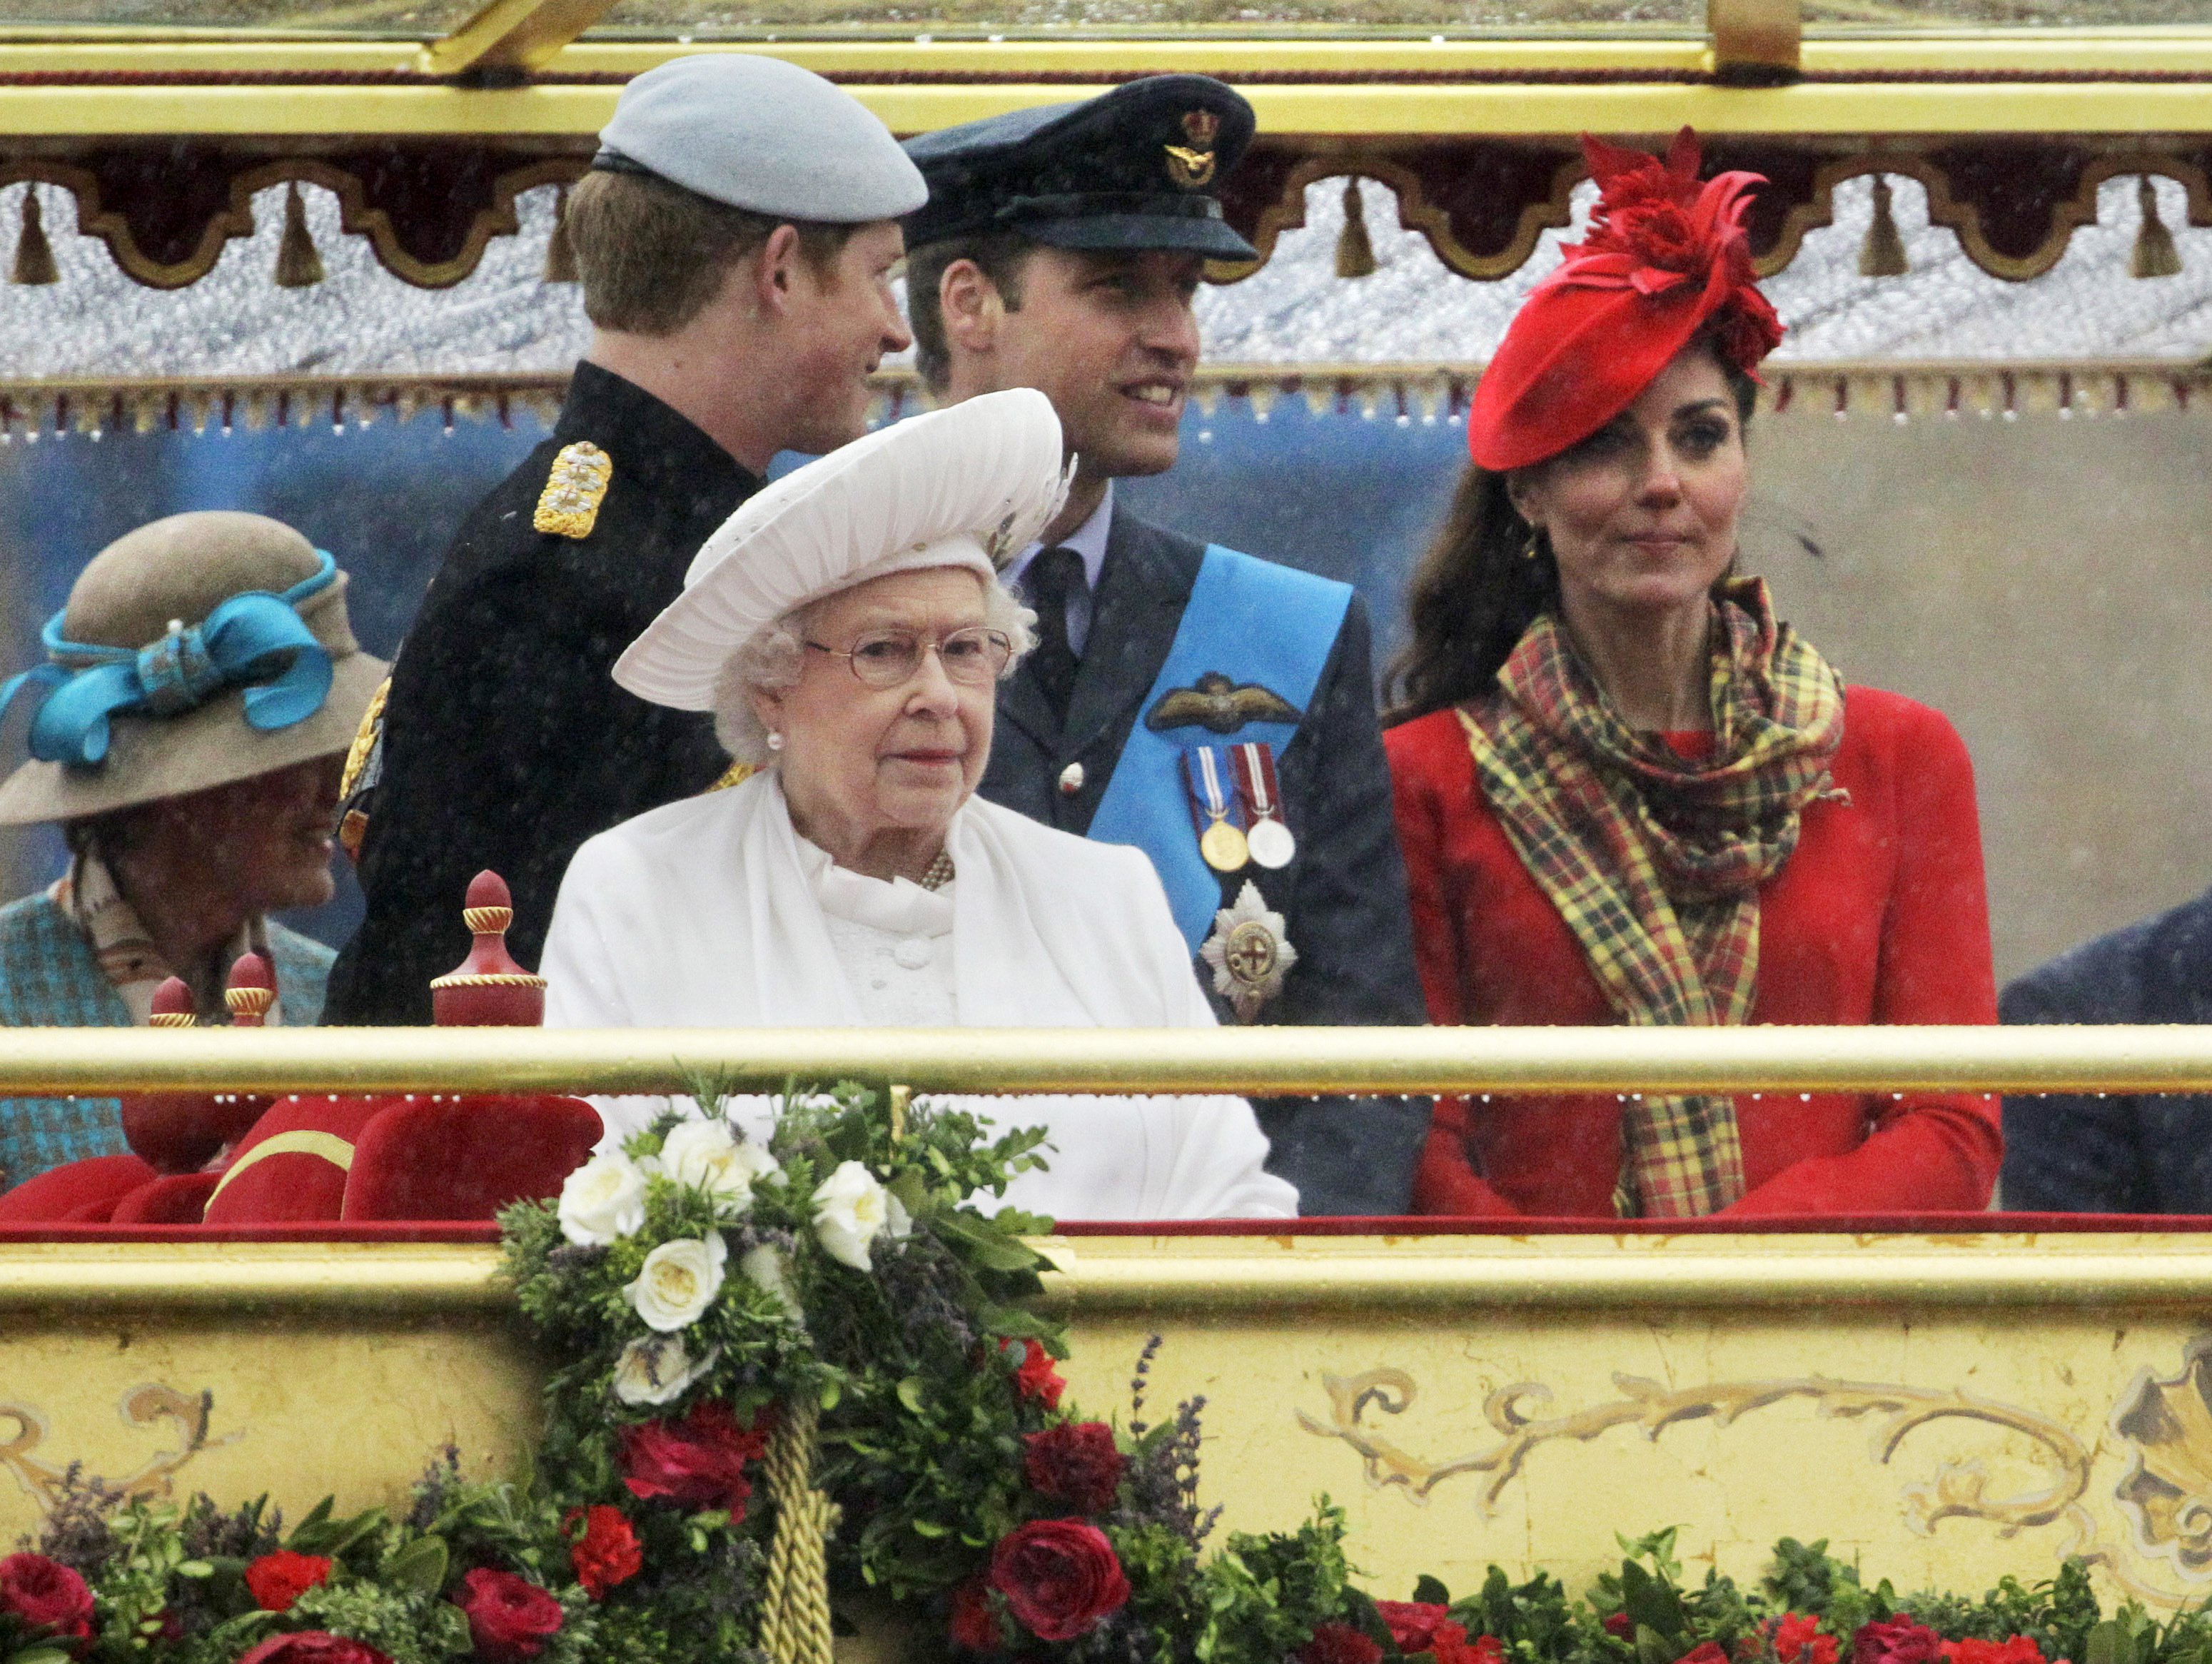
pixel 970 486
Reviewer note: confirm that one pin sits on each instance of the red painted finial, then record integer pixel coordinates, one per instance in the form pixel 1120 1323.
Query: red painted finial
pixel 487 989
pixel 251 991
pixel 174 1006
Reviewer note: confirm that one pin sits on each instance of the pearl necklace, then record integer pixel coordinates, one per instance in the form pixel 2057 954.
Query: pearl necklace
pixel 940 873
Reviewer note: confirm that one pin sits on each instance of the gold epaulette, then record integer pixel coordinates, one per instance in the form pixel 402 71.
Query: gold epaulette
pixel 569 505
pixel 364 739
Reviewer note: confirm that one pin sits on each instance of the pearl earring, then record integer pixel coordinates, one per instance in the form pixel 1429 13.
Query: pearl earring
pixel 775 741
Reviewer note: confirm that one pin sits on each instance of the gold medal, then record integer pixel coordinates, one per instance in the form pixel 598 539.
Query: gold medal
pixel 1224 847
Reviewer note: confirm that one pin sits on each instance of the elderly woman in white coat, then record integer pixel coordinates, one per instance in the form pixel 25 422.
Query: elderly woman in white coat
pixel 847 627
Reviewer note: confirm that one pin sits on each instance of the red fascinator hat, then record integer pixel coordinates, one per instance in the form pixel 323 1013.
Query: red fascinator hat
pixel 1666 256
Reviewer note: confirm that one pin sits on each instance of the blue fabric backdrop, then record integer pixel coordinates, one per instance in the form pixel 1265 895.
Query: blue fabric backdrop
pixel 1349 497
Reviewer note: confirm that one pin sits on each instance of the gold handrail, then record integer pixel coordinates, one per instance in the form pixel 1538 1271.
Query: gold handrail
pixel 96 1062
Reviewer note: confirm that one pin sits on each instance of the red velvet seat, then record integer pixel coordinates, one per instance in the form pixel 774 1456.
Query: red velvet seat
pixel 81 1192
pixel 465 1157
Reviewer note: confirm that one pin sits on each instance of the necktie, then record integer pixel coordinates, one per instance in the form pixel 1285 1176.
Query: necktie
pixel 1054 578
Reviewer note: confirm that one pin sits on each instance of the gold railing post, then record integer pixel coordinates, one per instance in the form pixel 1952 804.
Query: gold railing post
pixel 1755 43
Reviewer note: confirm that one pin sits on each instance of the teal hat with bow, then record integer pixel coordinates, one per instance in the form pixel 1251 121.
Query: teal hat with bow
pixel 199 650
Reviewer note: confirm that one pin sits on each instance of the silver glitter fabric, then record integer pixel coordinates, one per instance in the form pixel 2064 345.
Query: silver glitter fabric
pixel 505 320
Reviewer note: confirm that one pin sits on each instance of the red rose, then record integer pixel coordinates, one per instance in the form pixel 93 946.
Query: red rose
pixel 697 1463
pixel 1899 1641
pixel 45 1595
pixel 973 1624
pixel 1338 1643
pixel 607 1553
pixel 1060 1576
pixel 1798 1640
pixel 1034 1376
pixel 1705 1652
pixel 1451 1646
pixel 279 1579
pixel 1075 1464
pixel 2019 1650
pixel 1617 1624
pixel 313 1647
pixel 1412 1623
pixel 510 1619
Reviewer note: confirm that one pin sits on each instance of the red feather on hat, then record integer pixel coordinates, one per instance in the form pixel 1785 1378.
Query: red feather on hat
pixel 1666 256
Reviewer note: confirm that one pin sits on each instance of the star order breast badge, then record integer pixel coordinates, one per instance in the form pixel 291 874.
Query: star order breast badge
pixel 1251 953
pixel 569 505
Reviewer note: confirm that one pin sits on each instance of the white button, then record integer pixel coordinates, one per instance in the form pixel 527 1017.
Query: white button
pixel 1071 780
pixel 913 953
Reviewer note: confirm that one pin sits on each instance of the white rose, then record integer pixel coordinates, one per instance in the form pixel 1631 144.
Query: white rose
pixel 851 1210
pixel 678 1281
pixel 601 1201
pixel 763 1266
pixel 656 1369
pixel 705 1155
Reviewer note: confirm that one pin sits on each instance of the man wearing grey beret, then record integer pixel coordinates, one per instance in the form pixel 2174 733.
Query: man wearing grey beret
pixel 734 239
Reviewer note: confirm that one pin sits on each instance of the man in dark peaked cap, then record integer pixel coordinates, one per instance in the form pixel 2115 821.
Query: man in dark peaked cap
pixel 734 241
pixel 1214 709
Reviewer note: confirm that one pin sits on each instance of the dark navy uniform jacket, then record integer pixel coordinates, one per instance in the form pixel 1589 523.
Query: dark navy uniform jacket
pixel 507 742
pixel 2127 1153
pixel 1343 895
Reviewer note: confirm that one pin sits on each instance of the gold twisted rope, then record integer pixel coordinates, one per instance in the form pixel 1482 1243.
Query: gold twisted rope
pixel 795 1627
pixel 487 921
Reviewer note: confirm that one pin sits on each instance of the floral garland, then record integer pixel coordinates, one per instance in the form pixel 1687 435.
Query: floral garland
pixel 703 1295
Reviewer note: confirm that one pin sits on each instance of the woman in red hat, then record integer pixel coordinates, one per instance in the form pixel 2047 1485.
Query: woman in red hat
pixel 1627 794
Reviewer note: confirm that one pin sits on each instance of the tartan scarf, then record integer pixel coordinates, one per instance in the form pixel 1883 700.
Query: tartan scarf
pixel 1654 862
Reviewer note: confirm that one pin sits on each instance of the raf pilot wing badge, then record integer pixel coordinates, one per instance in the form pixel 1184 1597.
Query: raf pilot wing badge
pixel 569 505
pixel 1218 703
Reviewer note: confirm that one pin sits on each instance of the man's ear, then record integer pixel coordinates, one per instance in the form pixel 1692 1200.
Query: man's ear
pixel 775 271
pixel 971 306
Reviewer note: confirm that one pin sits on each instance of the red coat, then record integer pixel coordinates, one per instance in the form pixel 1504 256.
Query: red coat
pixel 1879 916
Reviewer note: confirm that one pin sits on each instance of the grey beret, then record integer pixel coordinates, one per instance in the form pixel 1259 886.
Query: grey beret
pixel 763 134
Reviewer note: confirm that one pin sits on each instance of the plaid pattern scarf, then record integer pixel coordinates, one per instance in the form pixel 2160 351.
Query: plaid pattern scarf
pixel 1654 862
pixel 90 899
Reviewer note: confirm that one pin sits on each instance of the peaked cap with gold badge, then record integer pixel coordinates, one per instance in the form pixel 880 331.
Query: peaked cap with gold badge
pixel 1137 168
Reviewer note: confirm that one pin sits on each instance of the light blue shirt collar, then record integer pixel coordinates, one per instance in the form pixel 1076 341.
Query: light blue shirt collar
pixel 1088 540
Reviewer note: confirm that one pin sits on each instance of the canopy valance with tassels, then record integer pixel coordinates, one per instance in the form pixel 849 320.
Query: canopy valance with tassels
pixel 429 208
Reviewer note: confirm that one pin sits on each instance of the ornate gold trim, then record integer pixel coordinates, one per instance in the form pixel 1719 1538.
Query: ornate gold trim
pixel 495 980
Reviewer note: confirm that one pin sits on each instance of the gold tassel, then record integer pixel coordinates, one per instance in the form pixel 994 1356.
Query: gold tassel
pixel 1882 254
pixel 2154 255
pixel 34 255
pixel 1355 254
pixel 560 252
pixel 297 264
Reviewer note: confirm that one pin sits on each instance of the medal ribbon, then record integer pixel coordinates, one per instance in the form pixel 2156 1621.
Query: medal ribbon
pixel 1255 781
pixel 1209 798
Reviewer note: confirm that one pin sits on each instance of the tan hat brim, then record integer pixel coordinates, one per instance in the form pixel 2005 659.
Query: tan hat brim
pixel 151 758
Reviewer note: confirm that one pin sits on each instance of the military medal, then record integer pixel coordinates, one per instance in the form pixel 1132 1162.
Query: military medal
pixel 1266 834
pixel 1220 841
pixel 1251 953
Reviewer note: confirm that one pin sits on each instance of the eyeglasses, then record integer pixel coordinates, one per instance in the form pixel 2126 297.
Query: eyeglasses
pixel 890 657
